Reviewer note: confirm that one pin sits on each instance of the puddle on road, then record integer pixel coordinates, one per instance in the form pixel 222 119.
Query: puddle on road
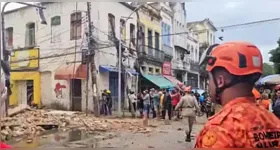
pixel 55 139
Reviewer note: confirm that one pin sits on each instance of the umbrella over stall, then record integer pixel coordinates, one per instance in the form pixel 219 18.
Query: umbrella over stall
pixel 268 80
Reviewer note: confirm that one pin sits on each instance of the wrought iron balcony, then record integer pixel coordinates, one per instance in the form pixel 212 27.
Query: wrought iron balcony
pixel 194 66
pixel 148 52
pixel 179 64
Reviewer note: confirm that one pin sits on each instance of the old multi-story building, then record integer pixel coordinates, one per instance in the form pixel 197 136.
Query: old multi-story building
pixel 150 54
pixel 180 63
pixel 106 31
pixel 193 60
pixel 166 14
pixel 58 78
pixel 45 77
pixel 205 30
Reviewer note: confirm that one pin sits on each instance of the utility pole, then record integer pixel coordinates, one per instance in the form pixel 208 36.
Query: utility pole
pixel 91 64
pixel 120 68
pixel 120 72
pixel 87 53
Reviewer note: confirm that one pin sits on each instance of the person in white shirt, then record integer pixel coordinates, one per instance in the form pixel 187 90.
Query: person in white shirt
pixel 133 99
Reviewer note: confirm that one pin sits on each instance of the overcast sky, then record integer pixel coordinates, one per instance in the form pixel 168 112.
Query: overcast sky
pixel 224 13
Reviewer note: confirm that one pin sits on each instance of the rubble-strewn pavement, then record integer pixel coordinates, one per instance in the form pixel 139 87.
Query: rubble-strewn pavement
pixel 50 128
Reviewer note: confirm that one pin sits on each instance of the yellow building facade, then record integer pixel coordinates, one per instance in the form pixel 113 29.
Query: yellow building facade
pixel 150 21
pixel 25 77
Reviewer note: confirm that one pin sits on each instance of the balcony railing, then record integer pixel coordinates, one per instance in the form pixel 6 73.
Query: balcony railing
pixel 152 54
pixel 179 64
pixel 186 64
pixel 180 40
pixel 167 50
pixel 194 66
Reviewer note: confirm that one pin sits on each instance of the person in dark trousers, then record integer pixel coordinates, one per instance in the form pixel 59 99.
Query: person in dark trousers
pixel 167 104
pixel 103 101
pixel 197 95
pixel 276 104
pixel 108 104
pixel 140 104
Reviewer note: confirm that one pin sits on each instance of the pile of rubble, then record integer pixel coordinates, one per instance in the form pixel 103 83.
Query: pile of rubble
pixel 35 122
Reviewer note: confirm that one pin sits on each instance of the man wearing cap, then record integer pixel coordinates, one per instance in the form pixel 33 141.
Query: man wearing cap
pixel 187 103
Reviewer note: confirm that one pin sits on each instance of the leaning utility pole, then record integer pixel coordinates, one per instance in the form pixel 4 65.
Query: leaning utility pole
pixel 91 46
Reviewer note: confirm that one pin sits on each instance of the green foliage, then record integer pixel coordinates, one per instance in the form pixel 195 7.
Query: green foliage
pixel 277 68
pixel 267 69
pixel 275 57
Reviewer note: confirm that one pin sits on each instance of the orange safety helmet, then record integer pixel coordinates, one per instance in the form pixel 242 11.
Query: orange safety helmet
pixel 256 93
pixel 188 89
pixel 238 58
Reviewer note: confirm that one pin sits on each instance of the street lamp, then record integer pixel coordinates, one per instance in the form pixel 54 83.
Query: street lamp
pixel 4 51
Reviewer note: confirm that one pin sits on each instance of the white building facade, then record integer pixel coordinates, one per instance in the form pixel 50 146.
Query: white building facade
pixel 205 30
pixel 60 42
pixel 180 63
pixel 193 60
pixel 109 16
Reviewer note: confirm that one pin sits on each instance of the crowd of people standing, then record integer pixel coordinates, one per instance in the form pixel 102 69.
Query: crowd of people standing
pixel 269 99
pixel 158 103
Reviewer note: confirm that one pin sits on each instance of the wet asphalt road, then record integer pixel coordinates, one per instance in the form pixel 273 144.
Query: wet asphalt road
pixel 163 136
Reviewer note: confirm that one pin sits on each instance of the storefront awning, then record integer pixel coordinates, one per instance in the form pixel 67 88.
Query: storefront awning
pixel 173 80
pixel 114 69
pixel 71 71
pixel 159 81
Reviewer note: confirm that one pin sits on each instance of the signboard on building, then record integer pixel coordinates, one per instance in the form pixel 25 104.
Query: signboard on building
pixel 166 68
pixel 25 59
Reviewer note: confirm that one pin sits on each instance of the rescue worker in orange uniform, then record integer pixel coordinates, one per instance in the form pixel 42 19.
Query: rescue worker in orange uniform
pixel 233 69
pixel 256 93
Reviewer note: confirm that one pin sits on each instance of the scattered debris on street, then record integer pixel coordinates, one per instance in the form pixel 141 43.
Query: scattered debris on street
pixel 32 122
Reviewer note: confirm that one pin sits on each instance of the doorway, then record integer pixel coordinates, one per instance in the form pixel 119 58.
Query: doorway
pixel 76 88
pixel 29 92
pixel 179 77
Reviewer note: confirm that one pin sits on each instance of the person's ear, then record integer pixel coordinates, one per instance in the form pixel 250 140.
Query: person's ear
pixel 221 81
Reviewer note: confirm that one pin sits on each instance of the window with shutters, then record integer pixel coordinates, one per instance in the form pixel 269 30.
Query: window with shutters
pixel 9 36
pixel 55 27
pixel 122 24
pixel 150 43
pixel 142 38
pixel 132 34
pixel 30 34
pixel 76 26
pixel 157 40
pixel 111 26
